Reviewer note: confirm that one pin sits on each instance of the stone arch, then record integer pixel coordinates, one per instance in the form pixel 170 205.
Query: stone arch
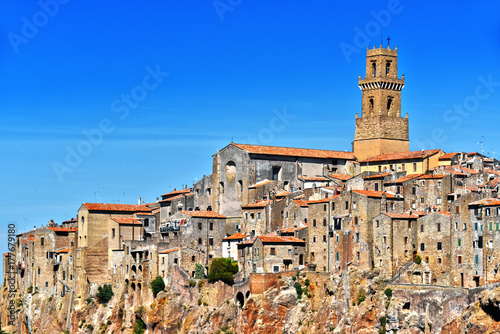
pixel 132 286
pixel 240 298
pixel 134 269
pixel 230 171
pixel 140 268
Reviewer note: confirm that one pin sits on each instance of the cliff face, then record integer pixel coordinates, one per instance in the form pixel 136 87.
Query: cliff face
pixel 355 302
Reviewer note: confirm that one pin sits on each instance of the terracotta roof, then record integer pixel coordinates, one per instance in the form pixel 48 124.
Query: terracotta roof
pixel 470 171
pixel 444 213
pixel 62 250
pixel 302 203
pixel 419 213
pixel 402 156
pixel 25 241
pixel 373 193
pixel 203 214
pixel 237 236
pixel 491 171
pixel 376 176
pixel 295 152
pixel 454 171
pixel 63 229
pixel 313 178
pixel 323 200
pixel 260 183
pixel 126 221
pixel 116 207
pixel 7 254
pixel 430 176
pixel 72 220
pixel 400 215
pixel 404 178
pixel 292 229
pixel 279 239
pixel 342 177
pixel 176 192
pixel 258 204
pixel 448 156
pixel 172 198
pixel 170 250
pixel 486 202
pixel 281 193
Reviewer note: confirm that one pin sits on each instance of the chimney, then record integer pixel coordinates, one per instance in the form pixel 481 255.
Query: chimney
pixel 295 232
pixel 140 200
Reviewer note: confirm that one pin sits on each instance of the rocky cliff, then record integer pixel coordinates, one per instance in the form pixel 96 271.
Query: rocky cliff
pixel 309 302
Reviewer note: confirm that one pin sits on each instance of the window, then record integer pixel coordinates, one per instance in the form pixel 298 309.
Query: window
pixel 276 173
pixel 38 271
pixel 357 238
pixel 162 260
pixel 421 228
pixel 457 209
pixel 376 186
pixel 199 241
pixel 354 205
pixel 374 69
pixel 414 190
pixel 356 221
pixel 439 245
pixel 314 239
pixel 406 240
pixel 387 68
pixel 439 227
pixel 324 222
pixel 422 247
pixel 337 256
pixel 439 201
pixel 258 215
pixel 498 211
pixel 83 221
pixel 281 214
pixel 200 226
pixel 324 238
pixel 422 200
pixel 404 167
pixel 42 241
pixel 211 226
pixel 491 226
pixel 193 258
pixel 487 212
pixel 398 190
pixel 346 205
pixel 252 216
pixel 414 166
pixel 379 168
pixel 459 259
pixel 426 259
pixel 465 226
pixel 113 232
pixel 337 238
pixel 46 284
pixel 390 166
pixel 422 183
pixel 475 226
pixel 333 206
pixel 221 187
pixel 409 224
pixel 393 207
pixel 211 241
pixel 314 222
pixel 476 259
pixel 209 191
pixel 324 207
pixel 497 226
pixel 459 242
pixel 377 223
pixel 456 226
pixel 439 184
pixel 272 251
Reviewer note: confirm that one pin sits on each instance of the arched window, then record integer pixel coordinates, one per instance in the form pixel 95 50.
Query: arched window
pixel 230 169
pixel 387 68
pixel 374 67
pixel 389 103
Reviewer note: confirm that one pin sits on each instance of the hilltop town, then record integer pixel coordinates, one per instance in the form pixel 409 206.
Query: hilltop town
pixel 351 224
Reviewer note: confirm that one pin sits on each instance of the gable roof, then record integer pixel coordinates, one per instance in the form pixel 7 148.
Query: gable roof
pixel 376 176
pixel 448 156
pixel 400 215
pixel 405 178
pixel 402 156
pixel 126 221
pixel 170 250
pixel 237 236
pixel 295 152
pixel 176 192
pixel 486 202
pixel 322 200
pixel 313 178
pixel 203 214
pixel 343 177
pixel 63 229
pixel 279 239
pixel 374 193
pixel 258 204
pixel 430 176
pixel 116 207
pixel 302 202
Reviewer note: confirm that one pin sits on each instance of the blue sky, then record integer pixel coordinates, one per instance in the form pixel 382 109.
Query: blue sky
pixel 161 85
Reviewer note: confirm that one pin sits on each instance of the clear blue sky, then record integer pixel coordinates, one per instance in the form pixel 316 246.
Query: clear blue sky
pixel 232 66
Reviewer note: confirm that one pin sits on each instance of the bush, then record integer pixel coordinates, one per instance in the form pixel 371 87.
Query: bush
pixel 199 271
pixel 139 327
pixel 388 293
pixel 192 283
pixel 30 289
pixel 306 282
pixel 90 327
pixel 361 297
pixel 104 293
pixel 222 269
pixel 298 289
pixel 383 323
pixel 418 259
pixel 88 300
pixel 157 285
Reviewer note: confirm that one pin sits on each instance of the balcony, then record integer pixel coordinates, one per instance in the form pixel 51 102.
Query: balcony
pixel 164 229
pixel 56 262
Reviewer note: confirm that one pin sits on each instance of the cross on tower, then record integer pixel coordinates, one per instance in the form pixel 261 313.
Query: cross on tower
pixel 388 41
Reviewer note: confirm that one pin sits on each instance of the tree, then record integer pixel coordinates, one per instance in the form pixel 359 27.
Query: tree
pixel 157 285
pixel 105 293
pixel 222 269
pixel 199 271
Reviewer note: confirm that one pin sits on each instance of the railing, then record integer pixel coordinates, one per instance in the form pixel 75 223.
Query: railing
pixel 169 228
pixel 400 271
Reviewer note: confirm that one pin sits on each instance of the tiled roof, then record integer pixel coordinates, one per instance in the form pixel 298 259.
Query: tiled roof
pixel 454 171
pixel 172 198
pixel 470 171
pixel 491 171
pixel 62 250
pixel 302 203
pixel 279 239
pixel 342 177
pixel 126 221
pixel 116 207
pixel 63 229
pixel 170 250
pixel 72 220
pixel 292 229
pixel 376 176
pixel 373 193
pixel 176 192
pixel 237 236
pixel 444 213
pixel 260 183
pixel 323 200
pixel 281 193
pixel 203 214
pixel 448 156
pixel 486 202
pixel 404 178
pixel 258 204
pixel 430 176
pixel 313 178
pixel 402 156
pixel 419 213
pixel 295 152
pixel 400 215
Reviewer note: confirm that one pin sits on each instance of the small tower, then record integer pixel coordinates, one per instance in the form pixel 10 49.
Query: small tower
pixel 381 129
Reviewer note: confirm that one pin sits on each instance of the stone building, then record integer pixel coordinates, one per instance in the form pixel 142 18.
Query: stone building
pixel 406 186
pixel 230 245
pixel 432 192
pixel 381 129
pixel 411 162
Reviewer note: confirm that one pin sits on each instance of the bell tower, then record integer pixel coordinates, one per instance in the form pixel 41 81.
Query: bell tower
pixel 381 129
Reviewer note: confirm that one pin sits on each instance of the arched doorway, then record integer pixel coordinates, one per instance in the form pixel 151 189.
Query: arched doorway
pixel 240 298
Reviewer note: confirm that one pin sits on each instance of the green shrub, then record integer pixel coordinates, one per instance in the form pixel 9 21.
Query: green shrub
pixel 418 259
pixel 298 289
pixel 30 289
pixel 157 285
pixel 388 293
pixel 192 283
pixel 104 293
pixel 383 323
pixel 200 301
pixel 139 327
pixel 306 282
pixel 199 271
pixel 90 327
pixel 222 269
pixel 361 297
